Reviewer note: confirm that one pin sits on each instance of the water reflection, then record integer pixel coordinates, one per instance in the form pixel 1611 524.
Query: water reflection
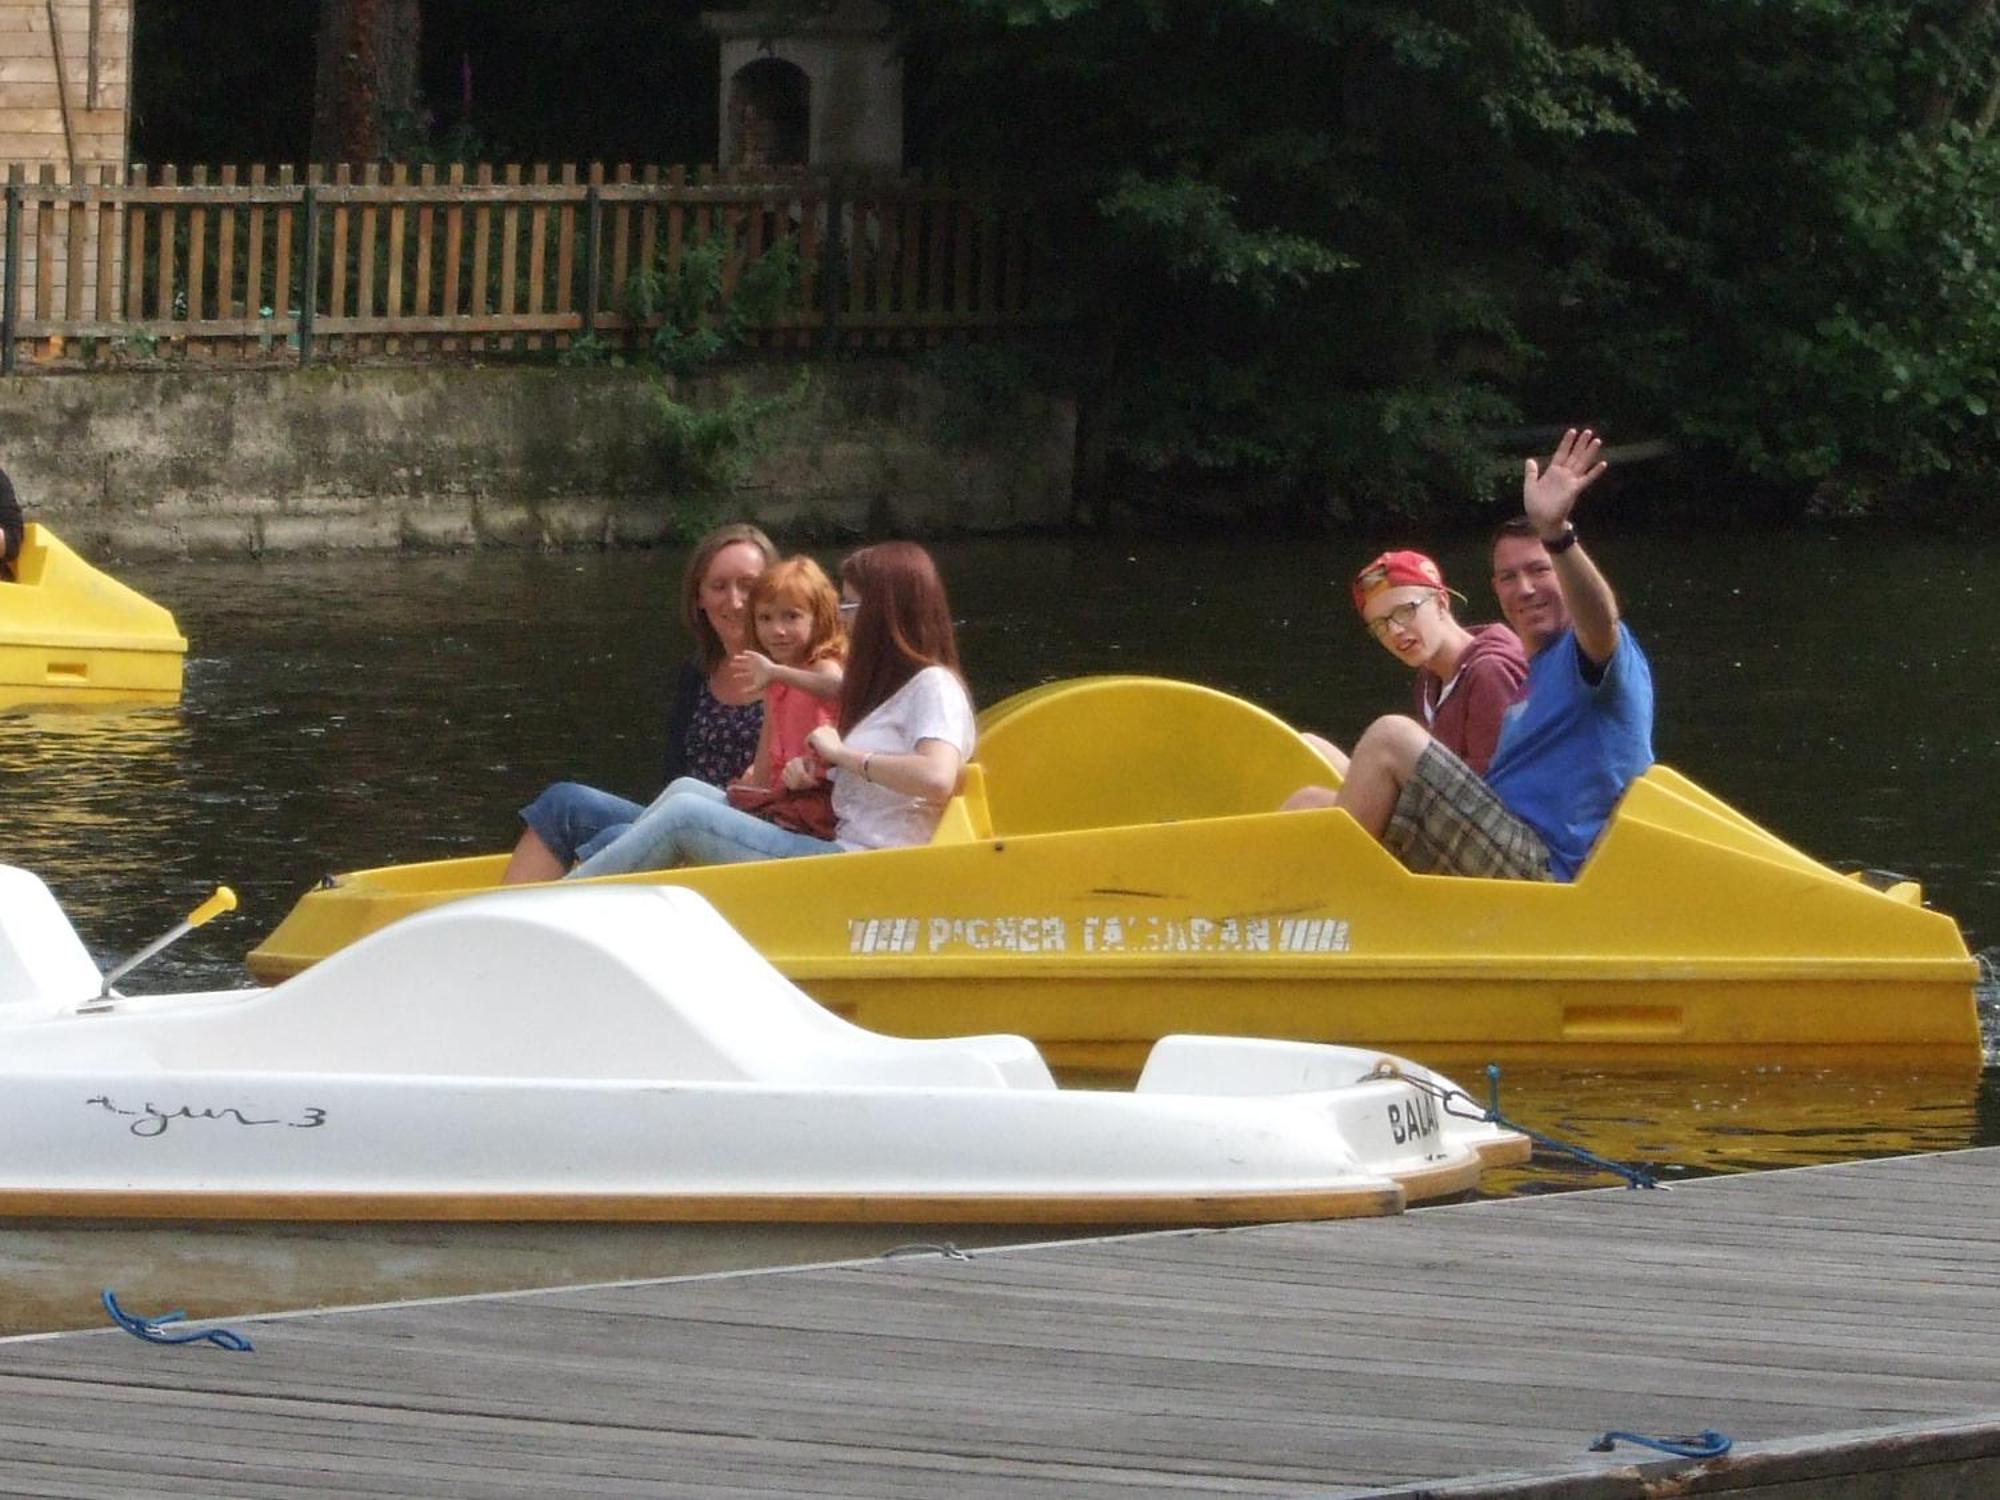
pixel 86 791
pixel 1701 1123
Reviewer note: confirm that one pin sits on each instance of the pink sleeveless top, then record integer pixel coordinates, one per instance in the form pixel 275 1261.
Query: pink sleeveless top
pixel 792 714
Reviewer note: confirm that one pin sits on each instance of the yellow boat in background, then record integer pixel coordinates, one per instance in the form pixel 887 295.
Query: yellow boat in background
pixel 1111 873
pixel 70 634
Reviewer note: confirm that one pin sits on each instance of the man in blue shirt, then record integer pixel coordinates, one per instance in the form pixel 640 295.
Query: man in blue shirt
pixel 1579 734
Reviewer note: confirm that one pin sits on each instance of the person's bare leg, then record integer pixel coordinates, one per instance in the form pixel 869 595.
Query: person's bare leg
pixel 1327 751
pixel 531 860
pixel 1385 757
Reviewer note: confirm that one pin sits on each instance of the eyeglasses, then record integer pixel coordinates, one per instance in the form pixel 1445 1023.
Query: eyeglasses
pixel 1398 618
pixel 849 606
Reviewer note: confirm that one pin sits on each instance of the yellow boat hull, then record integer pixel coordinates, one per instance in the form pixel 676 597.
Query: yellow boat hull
pixel 1080 899
pixel 70 634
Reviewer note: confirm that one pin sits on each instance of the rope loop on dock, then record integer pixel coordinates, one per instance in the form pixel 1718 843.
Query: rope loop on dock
pixel 1455 1102
pixel 945 1250
pixel 1708 1443
pixel 154 1331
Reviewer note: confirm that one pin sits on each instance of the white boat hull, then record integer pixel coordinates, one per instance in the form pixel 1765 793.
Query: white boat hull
pixel 622 1056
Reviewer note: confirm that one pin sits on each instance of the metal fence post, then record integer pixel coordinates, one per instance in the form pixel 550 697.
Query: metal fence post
pixel 309 277
pixel 593 239
pixel 10 302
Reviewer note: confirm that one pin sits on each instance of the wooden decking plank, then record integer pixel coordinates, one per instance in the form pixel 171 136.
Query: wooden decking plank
pixel 1335 1357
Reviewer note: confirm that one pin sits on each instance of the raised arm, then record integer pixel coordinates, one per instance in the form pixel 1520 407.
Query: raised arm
pixel 758 671
pixel 1548 496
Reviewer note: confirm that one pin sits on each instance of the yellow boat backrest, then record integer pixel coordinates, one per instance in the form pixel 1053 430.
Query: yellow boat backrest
pixel 1102 752
pixel 966 819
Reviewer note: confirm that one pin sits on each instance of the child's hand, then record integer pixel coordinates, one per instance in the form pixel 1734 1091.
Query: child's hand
pixel 825 743
pixel 751 670
pixel 802 771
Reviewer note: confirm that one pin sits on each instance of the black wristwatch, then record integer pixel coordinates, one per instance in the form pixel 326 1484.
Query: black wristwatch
pixel 1562 543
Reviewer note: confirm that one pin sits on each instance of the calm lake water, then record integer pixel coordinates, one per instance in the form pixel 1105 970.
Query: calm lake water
pixel 369 710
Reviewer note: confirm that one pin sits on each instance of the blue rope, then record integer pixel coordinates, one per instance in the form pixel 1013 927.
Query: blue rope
pixel 153 1330
pixel 1635 1177
pixel 1708 1443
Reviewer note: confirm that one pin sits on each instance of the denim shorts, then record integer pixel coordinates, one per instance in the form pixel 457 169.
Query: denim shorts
pixel 575 820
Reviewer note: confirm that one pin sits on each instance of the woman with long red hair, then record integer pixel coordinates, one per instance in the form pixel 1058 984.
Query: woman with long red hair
pixel 905 732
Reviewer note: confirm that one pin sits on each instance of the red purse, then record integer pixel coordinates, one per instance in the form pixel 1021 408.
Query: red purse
pixel 809 811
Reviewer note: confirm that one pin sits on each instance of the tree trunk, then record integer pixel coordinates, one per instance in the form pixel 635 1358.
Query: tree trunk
pixel 365 98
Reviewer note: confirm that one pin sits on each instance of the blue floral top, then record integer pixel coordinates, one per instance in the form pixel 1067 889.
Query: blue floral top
pixel 721 737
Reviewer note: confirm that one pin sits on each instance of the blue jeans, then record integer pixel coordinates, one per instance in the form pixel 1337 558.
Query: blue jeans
pixel 575 820
pixel 692 823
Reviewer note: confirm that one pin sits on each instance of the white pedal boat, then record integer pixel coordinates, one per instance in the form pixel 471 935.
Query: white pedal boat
pixel 621 1054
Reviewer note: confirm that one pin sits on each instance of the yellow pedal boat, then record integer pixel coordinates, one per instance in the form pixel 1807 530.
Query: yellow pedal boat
pixel 1111 873
pixel 70 634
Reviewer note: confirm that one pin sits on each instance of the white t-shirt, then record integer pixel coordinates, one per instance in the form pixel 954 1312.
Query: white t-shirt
pixel 931 706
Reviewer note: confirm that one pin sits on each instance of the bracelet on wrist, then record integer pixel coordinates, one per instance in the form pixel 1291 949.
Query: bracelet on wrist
pixel 864 766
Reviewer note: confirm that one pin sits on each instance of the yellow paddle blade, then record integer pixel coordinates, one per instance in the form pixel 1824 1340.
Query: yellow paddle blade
pixel 223 900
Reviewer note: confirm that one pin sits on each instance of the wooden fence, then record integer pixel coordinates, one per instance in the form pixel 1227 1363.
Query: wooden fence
pixel 295 264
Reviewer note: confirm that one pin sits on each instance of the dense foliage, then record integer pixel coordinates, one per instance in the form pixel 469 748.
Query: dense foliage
pixel 1346 252
pixel 1347 243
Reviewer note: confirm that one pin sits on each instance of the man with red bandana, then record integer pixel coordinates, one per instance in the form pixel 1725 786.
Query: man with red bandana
pixel 1466 675
pixel 1579 734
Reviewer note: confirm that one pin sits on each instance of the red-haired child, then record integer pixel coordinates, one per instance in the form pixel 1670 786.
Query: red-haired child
pixel 796 618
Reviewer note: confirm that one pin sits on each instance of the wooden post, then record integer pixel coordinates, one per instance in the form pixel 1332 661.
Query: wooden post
pixel 107 248
pixel 676 223
pixel 937 203
pixel 135 252
pixel 649 223
pixel 392 292
pixel 832 268
pixel 168 220
pixel 336 300
pixel 197 262
pixel 79 243
pixel 454 244
pixel 621 229
pixel 566 241
pixel 364 264
pixel 10 297
pixel 593 248
pixel 538 251
pixel 510 240
pixel 253 258
pixel 482 235
pixel 426 181
pixel 281 256
pixel 45 246
pixel 809 248
pixel 225 258
pixel 309 277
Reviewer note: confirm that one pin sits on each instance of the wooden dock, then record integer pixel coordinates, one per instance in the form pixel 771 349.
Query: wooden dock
pixel 1842 1324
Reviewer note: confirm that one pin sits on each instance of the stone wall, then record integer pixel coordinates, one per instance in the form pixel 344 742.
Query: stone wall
pixel 205 464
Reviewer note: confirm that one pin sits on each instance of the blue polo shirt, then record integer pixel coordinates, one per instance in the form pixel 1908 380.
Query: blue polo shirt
pixel 1569 746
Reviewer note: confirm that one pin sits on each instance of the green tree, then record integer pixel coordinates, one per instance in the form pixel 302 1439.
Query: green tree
pixel 1336 245
pixel 1309 238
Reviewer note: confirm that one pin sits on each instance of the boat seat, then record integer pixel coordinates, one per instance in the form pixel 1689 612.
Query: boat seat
pixel 1100 752
pixel 966 818
pixel 44 968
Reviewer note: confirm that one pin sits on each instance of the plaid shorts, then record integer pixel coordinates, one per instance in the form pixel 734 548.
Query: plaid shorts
pixel 1448 822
